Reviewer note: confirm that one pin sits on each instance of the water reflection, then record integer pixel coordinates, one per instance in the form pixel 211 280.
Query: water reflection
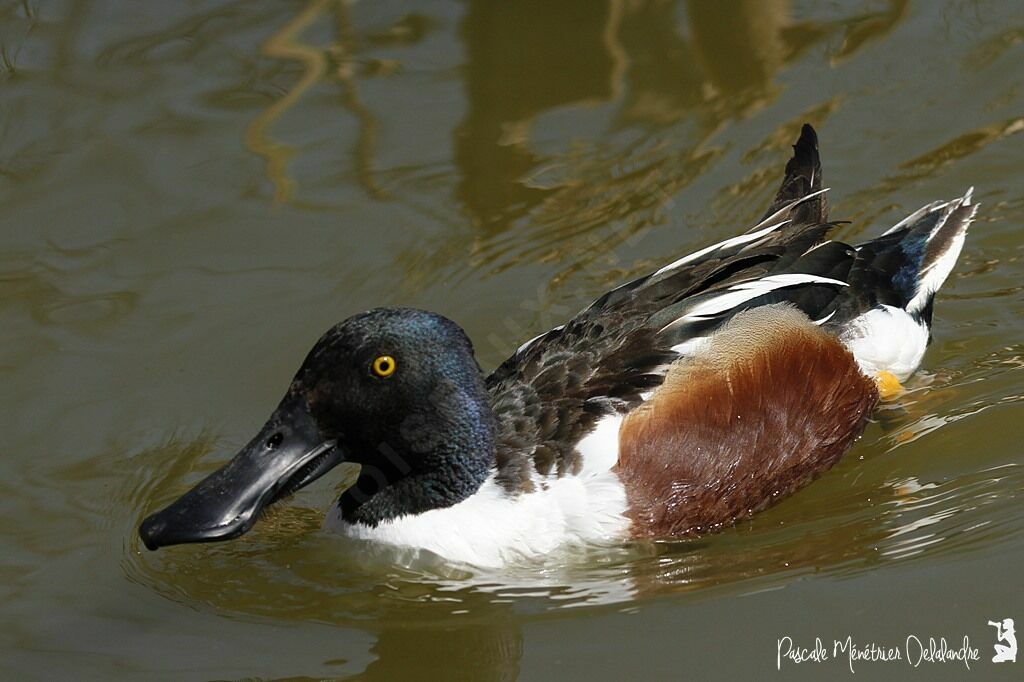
pixel 336 63
pixel 931 164
pixel 635 57
pixel 488 651
pixel 408 149
pixel 518 65
pixel 644 67
pixel 871 26
pixel 289 569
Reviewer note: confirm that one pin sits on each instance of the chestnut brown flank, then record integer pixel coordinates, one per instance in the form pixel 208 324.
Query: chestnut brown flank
pixel 770 402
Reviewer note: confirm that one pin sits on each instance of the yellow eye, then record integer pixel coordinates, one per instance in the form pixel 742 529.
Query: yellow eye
pixel 384 366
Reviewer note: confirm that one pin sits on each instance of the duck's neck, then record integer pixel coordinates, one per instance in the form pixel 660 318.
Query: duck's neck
pixel 438 458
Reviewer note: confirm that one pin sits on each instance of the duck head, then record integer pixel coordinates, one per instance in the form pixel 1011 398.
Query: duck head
pixel 397 391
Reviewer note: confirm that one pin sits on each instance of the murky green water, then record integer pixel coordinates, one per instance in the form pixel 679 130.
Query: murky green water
pixel 191 192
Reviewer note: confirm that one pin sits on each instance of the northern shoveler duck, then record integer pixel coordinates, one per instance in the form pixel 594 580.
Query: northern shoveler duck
pixel 672 406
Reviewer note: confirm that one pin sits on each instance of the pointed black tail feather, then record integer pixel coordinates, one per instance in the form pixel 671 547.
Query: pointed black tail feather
pixel 803 176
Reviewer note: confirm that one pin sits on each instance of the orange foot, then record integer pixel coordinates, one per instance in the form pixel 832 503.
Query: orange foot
pixel 888 385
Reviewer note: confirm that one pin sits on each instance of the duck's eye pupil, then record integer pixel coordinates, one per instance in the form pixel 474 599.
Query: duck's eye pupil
pixel 384 366
pixel 274 441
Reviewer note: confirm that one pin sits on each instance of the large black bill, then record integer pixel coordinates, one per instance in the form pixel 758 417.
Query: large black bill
pixel 287 454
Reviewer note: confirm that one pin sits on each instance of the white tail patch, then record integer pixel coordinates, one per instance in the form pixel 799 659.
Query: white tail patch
pixel 935 273
pixel 886 339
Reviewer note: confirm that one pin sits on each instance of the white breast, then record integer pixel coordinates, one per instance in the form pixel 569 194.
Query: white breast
pixel 493 529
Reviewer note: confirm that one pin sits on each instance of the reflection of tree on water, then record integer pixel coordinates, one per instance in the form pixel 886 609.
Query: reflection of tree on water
pixel 484 651
pixel 657 63
pixel 337 62
pixel 524 59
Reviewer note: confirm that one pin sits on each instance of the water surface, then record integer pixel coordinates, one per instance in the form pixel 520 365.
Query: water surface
pixel 190 193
